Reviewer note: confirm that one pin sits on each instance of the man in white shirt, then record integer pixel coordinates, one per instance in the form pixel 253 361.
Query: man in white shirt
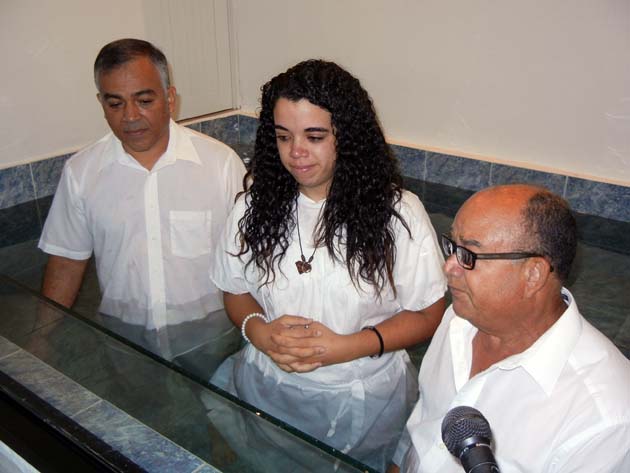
pixel 555 391
pixel 149 200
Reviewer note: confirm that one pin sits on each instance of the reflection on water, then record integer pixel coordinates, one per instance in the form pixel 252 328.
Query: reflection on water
pixel 149 390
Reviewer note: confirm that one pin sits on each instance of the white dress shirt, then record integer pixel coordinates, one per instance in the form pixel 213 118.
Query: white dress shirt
pixel 152 232
pixel 562 405
pixel 358 407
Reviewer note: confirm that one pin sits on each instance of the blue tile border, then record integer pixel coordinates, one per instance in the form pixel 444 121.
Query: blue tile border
pixel 503 174
pixel 7 348
pixel 46 174
pixel 146 447
pixel 412 161
pixel 464 173
pixel 195 126
pixel 598 198
pixel 247 127
pixel 39 179
pixel 134 440
pixel 206 469
pixel 16 186
pixel 225 129
pixel 47 383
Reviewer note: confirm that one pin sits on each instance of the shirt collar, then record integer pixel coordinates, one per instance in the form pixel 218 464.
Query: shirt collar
pixel 544 360
pixel 180 147
pixel 461 334
pixel 547 357
pixel 306 201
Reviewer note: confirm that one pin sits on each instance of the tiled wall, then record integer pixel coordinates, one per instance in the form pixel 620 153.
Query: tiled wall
pixel 588 197
pixel 26 190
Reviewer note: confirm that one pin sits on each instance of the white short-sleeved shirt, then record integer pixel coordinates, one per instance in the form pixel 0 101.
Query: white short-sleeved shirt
pixel 563 405
pixel 360 406
pixel 152 232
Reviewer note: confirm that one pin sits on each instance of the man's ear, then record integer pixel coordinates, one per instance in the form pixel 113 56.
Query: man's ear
pixel 171 97
pixel 537 273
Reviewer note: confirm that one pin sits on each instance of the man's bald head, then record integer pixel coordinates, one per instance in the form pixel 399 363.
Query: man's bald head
pixel 535 219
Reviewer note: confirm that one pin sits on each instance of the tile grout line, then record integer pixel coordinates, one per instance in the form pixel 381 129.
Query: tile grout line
pixel 36 195
pixel 81 411
pixel 564 188
pixel 425 171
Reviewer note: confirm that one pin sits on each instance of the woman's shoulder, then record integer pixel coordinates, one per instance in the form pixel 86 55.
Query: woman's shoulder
pixel 413 214
pixel 410 205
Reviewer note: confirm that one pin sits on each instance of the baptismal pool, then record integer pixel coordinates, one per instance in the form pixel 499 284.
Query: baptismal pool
pixel 123 403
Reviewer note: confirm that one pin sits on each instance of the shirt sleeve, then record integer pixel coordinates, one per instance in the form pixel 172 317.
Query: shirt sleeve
pixel 66 232
pixel 228 271
pixel 418 271
pixel 233 175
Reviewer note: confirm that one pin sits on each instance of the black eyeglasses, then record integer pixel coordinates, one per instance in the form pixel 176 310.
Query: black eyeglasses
pixel 467 258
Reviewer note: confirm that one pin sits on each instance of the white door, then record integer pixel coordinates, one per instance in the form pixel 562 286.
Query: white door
pixel 195 37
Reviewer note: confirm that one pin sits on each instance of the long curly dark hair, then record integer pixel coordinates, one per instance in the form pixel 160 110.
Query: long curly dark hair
pixel 361 203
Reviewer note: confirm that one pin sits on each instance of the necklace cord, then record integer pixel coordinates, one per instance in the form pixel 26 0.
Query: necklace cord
pixel 297 217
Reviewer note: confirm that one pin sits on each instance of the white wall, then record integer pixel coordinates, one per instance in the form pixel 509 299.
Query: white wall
pixel 48 100
pixel 544 84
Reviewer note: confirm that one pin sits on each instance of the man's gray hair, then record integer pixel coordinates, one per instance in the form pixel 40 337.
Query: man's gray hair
pixel 119 52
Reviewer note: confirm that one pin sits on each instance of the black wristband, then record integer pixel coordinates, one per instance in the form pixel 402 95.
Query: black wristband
pixel 380 340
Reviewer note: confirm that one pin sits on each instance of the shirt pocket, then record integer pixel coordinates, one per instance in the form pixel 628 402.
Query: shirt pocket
pixel 190 233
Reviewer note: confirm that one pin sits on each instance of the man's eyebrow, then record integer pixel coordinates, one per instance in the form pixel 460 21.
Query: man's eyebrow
pixel 469 242
pixel 108 95
pixel 144 92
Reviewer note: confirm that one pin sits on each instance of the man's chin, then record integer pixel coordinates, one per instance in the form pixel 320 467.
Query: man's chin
pixel 137 146
pixel 459 309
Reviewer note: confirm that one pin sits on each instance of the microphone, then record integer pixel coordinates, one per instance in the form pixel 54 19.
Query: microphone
pixel 467 435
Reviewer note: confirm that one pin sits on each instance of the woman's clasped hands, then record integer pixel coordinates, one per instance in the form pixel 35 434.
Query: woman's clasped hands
pixel 298 344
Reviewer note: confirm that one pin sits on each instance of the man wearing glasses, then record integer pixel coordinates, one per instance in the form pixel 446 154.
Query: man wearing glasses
pixel 513 344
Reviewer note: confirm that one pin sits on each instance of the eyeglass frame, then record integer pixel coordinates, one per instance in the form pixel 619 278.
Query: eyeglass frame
pixel 456 249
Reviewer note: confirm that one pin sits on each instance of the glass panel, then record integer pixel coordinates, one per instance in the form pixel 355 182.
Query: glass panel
pixel 212 425
pixel 600 282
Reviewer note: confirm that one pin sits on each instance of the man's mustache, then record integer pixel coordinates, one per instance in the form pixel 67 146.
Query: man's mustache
pixel 131 127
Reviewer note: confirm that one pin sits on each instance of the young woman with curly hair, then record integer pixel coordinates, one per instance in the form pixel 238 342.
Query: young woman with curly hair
pixel 329 268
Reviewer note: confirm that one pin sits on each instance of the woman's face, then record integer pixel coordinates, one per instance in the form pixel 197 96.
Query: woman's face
pixel 306 144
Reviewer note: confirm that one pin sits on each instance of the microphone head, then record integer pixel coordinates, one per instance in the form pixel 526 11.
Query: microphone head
pixel 460 425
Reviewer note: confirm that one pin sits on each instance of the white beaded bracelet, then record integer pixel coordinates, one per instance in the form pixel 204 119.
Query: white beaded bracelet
pixel 250 316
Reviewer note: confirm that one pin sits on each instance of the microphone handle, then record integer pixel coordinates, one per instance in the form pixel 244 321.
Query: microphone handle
pixel 479 459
